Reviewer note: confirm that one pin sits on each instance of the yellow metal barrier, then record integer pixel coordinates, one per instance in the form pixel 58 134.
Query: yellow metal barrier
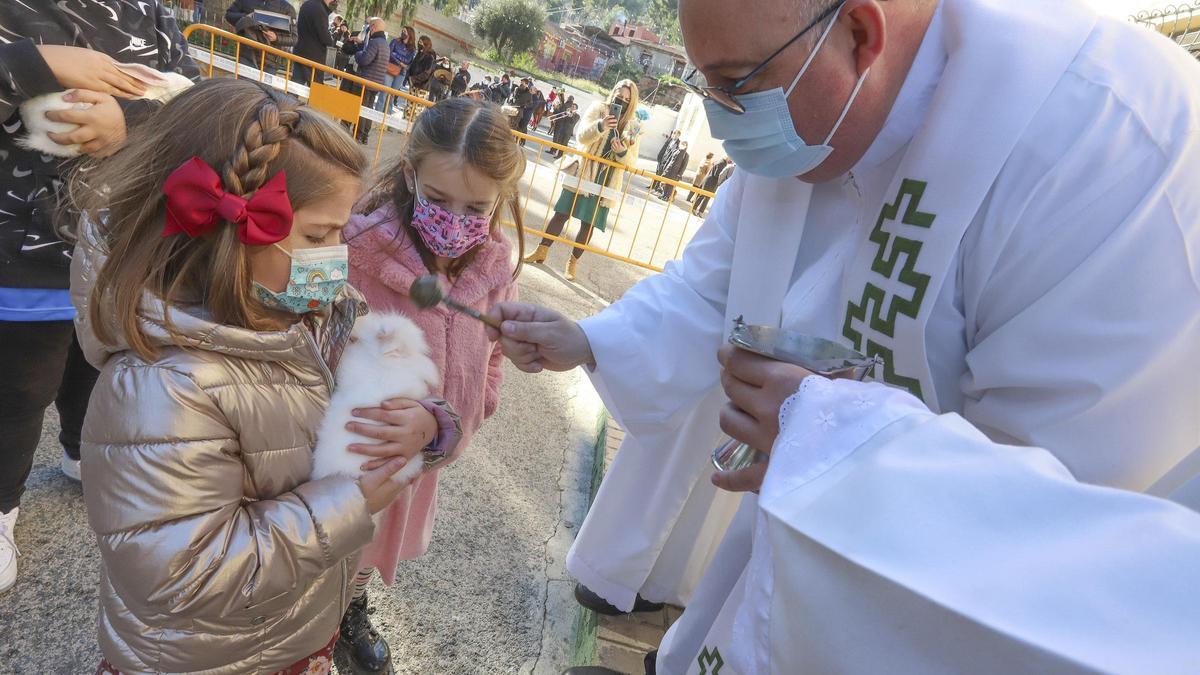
pixel 646 235
pixel 1179 22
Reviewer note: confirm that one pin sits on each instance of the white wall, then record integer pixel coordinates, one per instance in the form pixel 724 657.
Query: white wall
pixel 655 130
pixel 451 25
pixel 661 63
pixel 693 127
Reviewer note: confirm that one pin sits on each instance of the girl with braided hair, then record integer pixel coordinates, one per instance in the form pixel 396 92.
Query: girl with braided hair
pixel 211 295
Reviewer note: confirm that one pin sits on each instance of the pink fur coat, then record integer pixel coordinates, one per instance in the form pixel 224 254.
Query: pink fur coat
pixel 383 264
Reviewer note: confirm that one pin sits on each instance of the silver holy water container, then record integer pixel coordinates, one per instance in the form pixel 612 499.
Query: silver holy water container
pixel 816 355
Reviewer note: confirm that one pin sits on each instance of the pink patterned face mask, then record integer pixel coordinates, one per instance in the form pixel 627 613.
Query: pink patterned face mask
pixel 445 233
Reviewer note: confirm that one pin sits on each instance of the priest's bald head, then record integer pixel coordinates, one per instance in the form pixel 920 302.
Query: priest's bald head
pixel 727 40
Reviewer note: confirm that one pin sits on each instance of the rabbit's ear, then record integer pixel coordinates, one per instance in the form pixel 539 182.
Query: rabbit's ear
pixel 144 73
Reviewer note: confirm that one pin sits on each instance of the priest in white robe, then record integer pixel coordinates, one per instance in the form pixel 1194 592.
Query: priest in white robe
pixel 996 197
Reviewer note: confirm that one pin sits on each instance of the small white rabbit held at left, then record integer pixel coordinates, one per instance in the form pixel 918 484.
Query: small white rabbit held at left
pixel 159 87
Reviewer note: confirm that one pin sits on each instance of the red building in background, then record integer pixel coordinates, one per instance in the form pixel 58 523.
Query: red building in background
pixel 576 50
pixel 633 32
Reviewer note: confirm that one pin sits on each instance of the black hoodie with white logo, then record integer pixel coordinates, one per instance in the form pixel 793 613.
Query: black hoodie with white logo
pixel 33 259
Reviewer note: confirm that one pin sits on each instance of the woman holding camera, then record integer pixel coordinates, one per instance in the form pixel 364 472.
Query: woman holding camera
pixel 609 130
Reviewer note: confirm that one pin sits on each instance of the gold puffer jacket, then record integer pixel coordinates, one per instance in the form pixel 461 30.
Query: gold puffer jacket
pixel 219 555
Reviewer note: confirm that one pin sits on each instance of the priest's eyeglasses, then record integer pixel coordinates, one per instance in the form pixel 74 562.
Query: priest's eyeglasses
pixel 725 96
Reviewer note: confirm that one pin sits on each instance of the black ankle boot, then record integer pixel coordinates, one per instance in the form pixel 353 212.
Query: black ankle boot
pixel 360 650
pixel 588 598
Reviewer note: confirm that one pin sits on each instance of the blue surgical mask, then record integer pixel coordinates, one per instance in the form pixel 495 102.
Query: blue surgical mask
pixel 763 139
pixel 316 278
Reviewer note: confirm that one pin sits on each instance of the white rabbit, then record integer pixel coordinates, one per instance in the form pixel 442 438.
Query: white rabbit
pixel 159 87
pixel 387 358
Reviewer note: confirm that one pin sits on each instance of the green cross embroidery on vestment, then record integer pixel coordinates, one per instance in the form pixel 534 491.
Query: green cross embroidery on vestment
pixel 884 310
pixel 713 659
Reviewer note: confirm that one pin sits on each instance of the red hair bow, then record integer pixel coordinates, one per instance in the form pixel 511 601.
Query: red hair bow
pixel 197 201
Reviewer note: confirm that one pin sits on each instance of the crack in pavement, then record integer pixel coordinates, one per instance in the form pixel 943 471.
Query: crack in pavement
pixel 546 558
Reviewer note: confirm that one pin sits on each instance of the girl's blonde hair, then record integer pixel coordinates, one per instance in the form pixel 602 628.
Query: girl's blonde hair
pixel 477 132
pixel 248 133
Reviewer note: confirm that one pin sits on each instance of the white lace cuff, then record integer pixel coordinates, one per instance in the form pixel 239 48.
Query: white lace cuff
pixel 825 422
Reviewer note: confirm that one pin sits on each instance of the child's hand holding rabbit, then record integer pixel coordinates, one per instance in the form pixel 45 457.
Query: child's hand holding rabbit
pixel 101 125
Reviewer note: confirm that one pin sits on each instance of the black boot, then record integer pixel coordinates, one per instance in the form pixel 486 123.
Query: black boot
pixel 360 650
pixel 585 597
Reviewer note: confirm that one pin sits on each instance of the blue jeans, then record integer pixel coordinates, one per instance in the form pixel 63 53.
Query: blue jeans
pixel 393 81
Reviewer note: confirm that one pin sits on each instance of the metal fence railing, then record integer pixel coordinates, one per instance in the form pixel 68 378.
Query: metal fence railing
pixel 643 230
pixel 1179 22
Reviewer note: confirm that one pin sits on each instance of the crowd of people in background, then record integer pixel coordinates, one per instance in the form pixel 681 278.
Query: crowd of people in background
pixel 412 64
pixel 406 62
pixel 715 177
pixel 673 159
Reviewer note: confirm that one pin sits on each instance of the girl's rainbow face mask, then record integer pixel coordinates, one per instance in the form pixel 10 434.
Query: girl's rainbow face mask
pixel 445 233
pixel 316 278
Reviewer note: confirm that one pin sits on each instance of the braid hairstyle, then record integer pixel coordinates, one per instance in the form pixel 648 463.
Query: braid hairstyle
pixel 248 168
pixel 248 133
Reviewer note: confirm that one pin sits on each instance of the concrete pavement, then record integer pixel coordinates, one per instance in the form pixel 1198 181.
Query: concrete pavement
pixel 491 596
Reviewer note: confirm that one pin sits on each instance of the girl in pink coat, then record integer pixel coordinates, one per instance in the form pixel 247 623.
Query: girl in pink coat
pixel 437 212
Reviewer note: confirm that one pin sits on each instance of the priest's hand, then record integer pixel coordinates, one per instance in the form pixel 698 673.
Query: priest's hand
pixel 756 387
pixel 536 338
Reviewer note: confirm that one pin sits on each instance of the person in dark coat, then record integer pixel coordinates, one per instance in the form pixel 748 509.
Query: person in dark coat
pixel 420 71
pixel 372 60
pixel 346 52
pixel 522 100
pixel 664 153
pixel 563 104
pixel 313 37
pixel 440 81
pixel 539 108
pixel 241 16
pixel 47 48
pixel 676 165
pixel 462 80
pixel 726 173
pixel 564 128
pixel 501 90
pixel 341 37
pixel 710 184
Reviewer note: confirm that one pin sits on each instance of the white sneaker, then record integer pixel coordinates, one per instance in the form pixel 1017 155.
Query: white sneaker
pixel 70 467
pixel 8 550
